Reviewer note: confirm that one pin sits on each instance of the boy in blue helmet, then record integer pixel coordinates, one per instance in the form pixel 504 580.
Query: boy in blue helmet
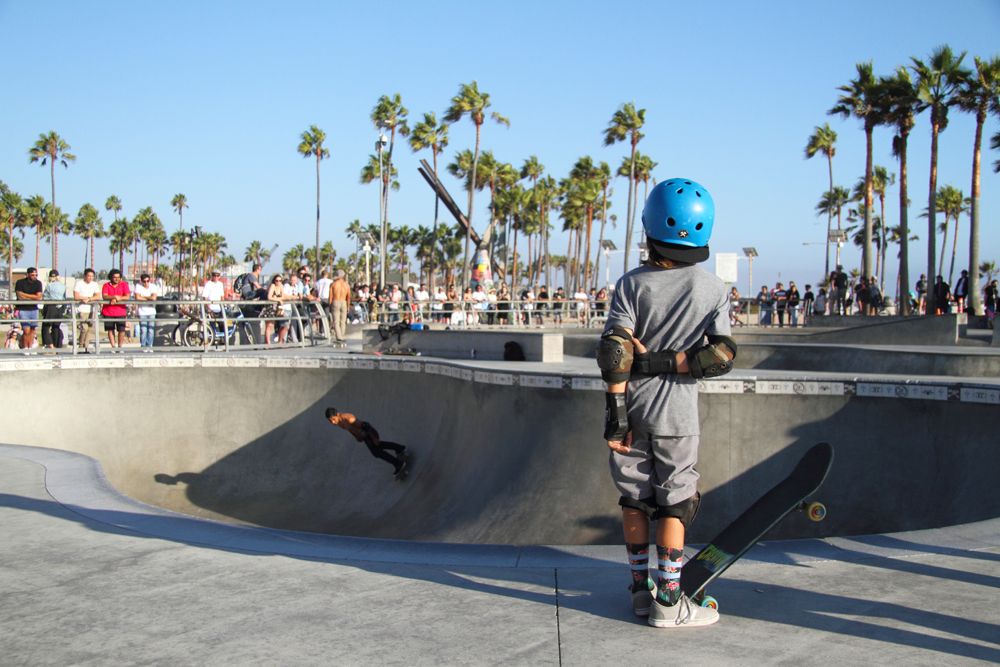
pixel 667 327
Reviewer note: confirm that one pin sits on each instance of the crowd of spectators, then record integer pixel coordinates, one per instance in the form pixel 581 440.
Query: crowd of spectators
pixel 840 296
pixel 289 307
pixel 479 305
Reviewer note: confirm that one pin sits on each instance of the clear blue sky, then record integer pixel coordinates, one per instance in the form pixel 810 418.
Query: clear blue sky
pixel 209 99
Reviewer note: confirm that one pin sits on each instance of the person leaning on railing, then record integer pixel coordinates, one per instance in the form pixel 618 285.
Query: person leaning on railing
pixel 85 291
pixel 275 309
pixel 55 290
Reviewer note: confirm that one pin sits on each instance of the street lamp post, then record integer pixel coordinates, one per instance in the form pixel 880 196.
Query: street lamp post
pixel 366 239
pixel 380 145
pixel 749 252
pixel 607 245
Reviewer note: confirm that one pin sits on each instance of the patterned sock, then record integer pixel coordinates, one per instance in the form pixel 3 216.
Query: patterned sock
pixel 668 574
pixel 638 560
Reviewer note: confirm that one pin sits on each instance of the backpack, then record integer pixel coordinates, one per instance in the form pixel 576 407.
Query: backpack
pixel 244 287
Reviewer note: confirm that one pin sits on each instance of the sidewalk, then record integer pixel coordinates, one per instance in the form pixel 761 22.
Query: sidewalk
pixel 92 577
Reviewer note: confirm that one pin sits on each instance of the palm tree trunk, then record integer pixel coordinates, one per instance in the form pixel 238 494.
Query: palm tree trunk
pixel 38 240
pixel 975 305
pixel 944 244
pixel 468 215
pixel 629 207
pixel 318 157
pixel 932 215
pixel 904 231
pixel 954 247
pixel 867 258
pixel 883 244
pixel 10 253
pixel 829 218
pixel 586 253
pixel 55 225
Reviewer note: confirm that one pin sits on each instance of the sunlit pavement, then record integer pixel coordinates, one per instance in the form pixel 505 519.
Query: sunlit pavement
pixel 92 577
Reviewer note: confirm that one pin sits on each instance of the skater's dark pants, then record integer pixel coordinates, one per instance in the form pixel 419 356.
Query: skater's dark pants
pixel 378 451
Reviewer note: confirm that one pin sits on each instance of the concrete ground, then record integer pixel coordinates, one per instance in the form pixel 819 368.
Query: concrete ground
pixel 93 577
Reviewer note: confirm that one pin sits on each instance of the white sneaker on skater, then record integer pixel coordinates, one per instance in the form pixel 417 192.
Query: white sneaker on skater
pixel 683 614
pixel 642 597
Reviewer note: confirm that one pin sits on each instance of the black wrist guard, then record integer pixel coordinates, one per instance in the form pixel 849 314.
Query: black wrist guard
pixel 654 363
pixel 615 417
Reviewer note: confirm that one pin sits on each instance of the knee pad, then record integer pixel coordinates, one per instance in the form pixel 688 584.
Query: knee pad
pixel 645 505
pixel 685 511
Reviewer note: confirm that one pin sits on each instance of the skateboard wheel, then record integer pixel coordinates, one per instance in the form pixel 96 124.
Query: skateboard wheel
pixel 709 601
pixel 816 511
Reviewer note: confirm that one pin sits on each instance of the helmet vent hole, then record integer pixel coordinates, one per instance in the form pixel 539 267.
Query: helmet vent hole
pixel 697 194
pixel 680 190
pixel 671 222
pixel 687 182
pixel 699 226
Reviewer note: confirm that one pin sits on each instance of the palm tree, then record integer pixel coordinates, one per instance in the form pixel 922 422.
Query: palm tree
pixel 832 203
pixel 14 213
pixel 179 203
pixel 938 82
pixel 644 166
pixel 35 209
pixel 881 180
pixel 472 103
pixel 995 145
pixel 90 226
pixel 388 114
pixel 990 269
pixel 311 145
pixel 49 149
pixel 824 140
pixel 114 204
pixel 532 170
pixel 951 202
pixel 586 190
pixel 899 105
pixel 121 238
pixel 979 94
pixel 895 236
pixel 292 257
pixel 860 98
pixel 625 124
pixel 54 222
pixel 429 134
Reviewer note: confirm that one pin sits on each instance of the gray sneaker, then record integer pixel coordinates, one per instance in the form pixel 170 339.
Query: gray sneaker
pixel 683 614
pixel 642 597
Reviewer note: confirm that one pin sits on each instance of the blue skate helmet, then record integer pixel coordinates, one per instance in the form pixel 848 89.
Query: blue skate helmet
pixel 678 219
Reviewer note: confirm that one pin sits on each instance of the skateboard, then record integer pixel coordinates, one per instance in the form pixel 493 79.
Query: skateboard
pixel 404 471
pixel 747 529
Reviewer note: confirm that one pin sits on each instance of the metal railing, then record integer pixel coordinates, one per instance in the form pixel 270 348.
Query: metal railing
pixel 190 324
pixel 461 314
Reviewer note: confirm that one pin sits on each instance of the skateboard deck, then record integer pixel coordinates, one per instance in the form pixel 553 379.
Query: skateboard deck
pixel 404 471
pixel 748 528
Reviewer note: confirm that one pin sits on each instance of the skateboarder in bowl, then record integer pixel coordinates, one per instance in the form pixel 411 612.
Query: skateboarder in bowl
pixel 366 433
pixel 668 326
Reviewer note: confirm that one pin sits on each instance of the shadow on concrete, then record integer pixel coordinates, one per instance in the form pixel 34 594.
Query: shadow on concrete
pixel 783 605
pixel 825 612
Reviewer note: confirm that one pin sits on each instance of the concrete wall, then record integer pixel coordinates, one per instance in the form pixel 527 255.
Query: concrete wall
pixel 940 330
pixel 477 344
pixel 494 462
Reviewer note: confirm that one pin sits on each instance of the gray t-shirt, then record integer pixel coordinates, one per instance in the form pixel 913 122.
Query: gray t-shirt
pixel 668 309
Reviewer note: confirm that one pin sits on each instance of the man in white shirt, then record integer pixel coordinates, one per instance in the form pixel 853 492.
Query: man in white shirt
pixel 323 289
pixel 146 291
pixel 85 291
pixel 423 296
pixel 214 290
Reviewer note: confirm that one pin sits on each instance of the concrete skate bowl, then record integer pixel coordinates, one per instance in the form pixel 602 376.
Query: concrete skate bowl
pixel 501 458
